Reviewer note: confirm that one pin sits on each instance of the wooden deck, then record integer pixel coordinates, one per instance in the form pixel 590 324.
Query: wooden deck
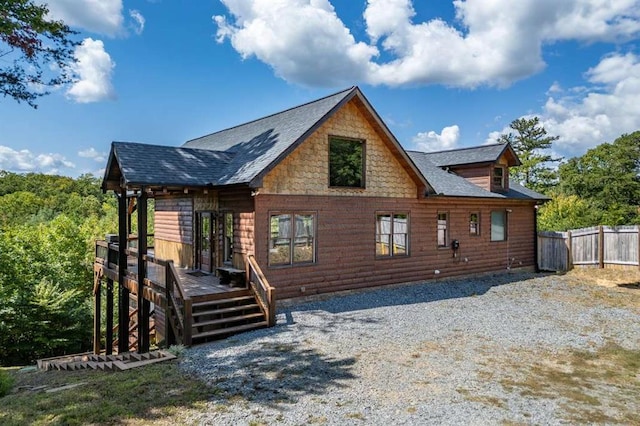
pixel 197 285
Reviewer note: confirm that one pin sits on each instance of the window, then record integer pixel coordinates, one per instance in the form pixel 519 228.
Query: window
pixel 498 177
pixel 346 163
pixel 498 225
pixel 474 224
pixel 443 225
pixel 392 234
pixel 292 238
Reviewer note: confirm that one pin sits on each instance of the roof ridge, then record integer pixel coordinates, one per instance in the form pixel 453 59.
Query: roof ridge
pixel 272 115
pixel 458 149
pixel 172 146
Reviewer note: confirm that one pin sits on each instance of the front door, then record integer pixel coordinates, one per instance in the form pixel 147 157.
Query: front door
pixel 204 245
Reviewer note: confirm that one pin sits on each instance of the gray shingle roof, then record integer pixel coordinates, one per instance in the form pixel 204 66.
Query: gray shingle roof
pixel 238 155
pixel 258 145
pixel 450 184
pixel 143 164
pixel 473 155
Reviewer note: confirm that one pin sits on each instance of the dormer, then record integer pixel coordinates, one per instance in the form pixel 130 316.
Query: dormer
pixel 486 166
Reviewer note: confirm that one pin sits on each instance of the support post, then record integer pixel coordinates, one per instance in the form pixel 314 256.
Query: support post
pixel 109 325
pixel 143 304
pixel 169 335
pixel 123 293
pixel 97 293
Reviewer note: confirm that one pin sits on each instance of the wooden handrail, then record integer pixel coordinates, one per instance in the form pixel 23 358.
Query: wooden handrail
pixel 265 294
pixel 176 299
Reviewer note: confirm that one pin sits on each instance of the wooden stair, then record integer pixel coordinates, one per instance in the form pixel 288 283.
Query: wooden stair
pixel 217 319
pixel 90 361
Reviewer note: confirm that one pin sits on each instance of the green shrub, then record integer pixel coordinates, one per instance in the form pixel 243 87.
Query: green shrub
pixel 6 382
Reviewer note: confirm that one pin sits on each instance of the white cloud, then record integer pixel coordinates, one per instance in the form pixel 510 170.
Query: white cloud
pixel 589 115
pixel 26 161
pixel 139 21
pixel 432 141
pixel 93 154
pixel 94 67
pixel 492 43
pixel 608 109
pixel 98 16
pixel 303 41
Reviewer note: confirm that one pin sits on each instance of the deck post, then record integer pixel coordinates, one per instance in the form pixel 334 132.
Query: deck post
pixel 97 293
pixel 109 325
pixel 123 293
pixel 143 304
pixel 169 335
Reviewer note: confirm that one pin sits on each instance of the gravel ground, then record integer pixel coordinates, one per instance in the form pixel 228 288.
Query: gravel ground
pixel 447 352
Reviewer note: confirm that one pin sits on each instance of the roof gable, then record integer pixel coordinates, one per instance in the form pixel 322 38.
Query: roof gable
pixel 239 155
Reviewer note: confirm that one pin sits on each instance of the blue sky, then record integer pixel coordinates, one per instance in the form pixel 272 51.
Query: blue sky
pixel 442 74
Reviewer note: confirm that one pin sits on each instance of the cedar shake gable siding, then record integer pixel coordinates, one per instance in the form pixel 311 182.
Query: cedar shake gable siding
pixel 305 171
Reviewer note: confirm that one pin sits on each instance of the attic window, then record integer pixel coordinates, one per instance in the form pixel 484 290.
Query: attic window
pixel 498 177
pixel 346 163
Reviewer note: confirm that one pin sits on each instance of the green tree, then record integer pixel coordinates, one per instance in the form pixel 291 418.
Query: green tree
pixel 531 142
pixel 607 176
pixel 30 44
pixel 565 212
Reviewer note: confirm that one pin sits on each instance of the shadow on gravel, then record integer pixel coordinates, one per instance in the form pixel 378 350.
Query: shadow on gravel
pixel 271 374
pixel 410 294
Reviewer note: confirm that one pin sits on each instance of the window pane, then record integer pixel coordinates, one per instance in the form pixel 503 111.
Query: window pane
pixel 280 241
pixel 346 163
pixel 498 177
pixel 303 246
pixel 498 226
pixel 474 224
pixel 399 244
pixel 400 230
pixel 383 235
pixel 442 230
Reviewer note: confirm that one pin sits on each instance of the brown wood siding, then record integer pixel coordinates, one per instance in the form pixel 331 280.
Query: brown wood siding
pixel 480 176
pixel 240 202
pixel 346 242
pixel 174 219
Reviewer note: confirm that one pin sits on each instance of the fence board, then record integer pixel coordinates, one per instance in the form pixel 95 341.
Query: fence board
pixel 620 246
pixel 553 254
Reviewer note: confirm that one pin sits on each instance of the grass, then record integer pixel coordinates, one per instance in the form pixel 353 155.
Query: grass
pixel 6 383
pixel 594 387
pixel 157 394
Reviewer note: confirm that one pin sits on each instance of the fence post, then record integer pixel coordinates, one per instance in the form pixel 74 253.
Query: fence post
pixel 638 244
pixel 600 247
pixel 569 251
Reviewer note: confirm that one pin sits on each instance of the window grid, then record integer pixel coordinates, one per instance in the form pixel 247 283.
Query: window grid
pixel 392 234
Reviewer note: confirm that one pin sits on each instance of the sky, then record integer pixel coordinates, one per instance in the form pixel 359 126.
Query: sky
pixel 441 74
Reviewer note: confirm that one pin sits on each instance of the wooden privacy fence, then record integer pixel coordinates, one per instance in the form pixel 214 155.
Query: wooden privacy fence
pixel 596 246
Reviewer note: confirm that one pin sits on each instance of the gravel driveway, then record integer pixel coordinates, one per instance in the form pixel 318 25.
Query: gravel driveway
pixel 476 351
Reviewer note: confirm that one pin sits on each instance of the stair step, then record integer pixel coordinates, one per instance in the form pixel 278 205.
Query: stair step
pixel 229 319
pixel 226 310
pixel 222 301
pixel 228 330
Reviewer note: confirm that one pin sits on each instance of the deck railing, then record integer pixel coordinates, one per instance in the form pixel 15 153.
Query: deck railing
pixel 170 295
pixel 265 294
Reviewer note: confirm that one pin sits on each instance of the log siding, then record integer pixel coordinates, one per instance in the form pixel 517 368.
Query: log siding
pixel 346 255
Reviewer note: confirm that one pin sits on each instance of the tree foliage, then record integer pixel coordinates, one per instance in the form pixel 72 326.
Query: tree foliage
pixel 35 52
pixel 531 143
pixel 48 225
pixel 607 176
